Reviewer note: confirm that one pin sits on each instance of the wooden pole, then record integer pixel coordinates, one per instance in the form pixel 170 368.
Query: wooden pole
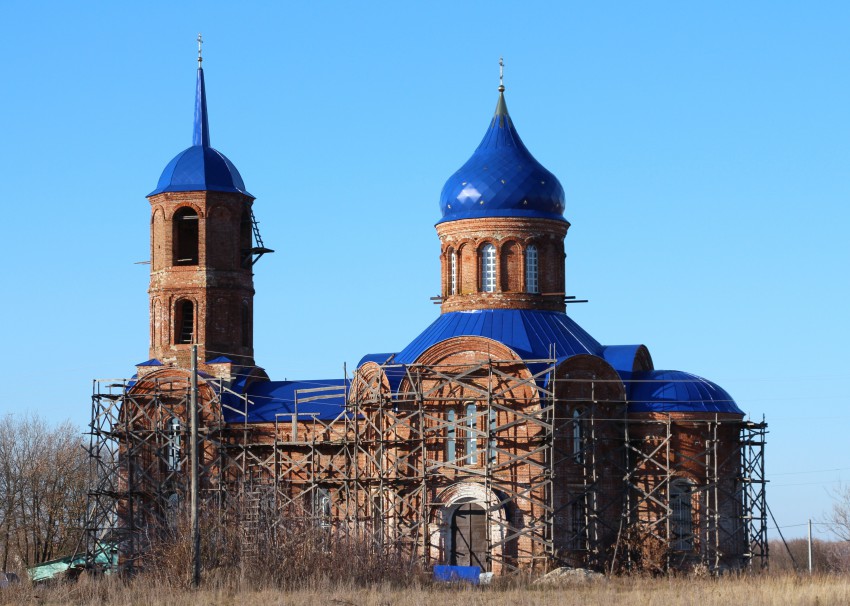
pixel 193 464
pixel 810 547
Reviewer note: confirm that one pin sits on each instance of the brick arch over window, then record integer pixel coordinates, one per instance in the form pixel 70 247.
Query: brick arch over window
pixel 185 236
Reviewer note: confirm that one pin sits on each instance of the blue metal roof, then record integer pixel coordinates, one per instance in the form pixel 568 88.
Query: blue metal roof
pixel 623 358
pixel 151 362
pixel 270 398
pixel 677 391
pixel 200 167
pixel 220 360
pixel 377 358
pixel 502 179
pixel 530 333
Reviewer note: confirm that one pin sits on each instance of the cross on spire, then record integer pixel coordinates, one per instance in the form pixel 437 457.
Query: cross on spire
pixel 501 75
pixel 200 58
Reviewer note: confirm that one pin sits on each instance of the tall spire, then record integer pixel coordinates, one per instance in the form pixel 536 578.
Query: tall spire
pixel 201 131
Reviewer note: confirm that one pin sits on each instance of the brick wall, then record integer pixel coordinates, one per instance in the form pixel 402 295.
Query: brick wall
pixel 218 283
pixel 511 238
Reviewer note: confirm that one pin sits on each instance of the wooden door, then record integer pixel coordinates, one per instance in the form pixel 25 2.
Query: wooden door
pixel 469 537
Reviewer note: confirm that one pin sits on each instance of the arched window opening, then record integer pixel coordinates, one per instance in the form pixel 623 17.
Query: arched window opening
pixel 578 437
pixel 578 525
pixel 174 447
pixel 185 237
pixel 488 268
pixel 451 437
pixel 681 515
pixel 452 272
pixel 531 282
pixel 322 508
pixel 471 434
pixel 246 324
pixel 184 327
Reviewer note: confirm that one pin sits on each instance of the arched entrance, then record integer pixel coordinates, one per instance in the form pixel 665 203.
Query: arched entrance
pixel 469 536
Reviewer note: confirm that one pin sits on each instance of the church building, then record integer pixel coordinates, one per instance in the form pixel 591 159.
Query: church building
pixel 503 436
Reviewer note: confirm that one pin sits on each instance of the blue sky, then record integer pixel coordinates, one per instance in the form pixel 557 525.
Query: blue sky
pixel 704 150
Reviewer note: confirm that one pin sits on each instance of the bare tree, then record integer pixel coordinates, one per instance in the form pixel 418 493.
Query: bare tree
pixel 839 518
pixel 43 481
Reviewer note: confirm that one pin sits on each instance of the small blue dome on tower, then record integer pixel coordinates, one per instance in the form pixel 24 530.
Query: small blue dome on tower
pixel 502 179
pixel 200 167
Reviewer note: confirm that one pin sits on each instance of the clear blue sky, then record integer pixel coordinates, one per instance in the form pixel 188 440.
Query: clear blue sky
pixel 704 149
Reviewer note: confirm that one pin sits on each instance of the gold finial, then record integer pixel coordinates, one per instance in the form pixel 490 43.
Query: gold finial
pixel 501 75
pixel 200 58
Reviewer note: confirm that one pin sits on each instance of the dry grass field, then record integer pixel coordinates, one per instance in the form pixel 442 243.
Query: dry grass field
pixel 727 591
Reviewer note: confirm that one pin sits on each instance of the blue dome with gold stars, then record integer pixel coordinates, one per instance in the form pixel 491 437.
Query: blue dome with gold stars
pixel 502 179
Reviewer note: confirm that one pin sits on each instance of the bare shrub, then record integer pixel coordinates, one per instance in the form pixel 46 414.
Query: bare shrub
pixel 287 553
pixel 647 553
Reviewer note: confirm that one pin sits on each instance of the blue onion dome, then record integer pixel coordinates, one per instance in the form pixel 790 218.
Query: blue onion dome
pixel 677 391
pixel 200 167
pixel 502 179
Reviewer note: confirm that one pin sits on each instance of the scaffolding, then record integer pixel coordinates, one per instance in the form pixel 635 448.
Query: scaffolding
pixel 138 463
pixel 560 481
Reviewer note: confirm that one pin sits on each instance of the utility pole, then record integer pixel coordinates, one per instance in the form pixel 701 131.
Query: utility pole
pixel 811 567
pixel 193 465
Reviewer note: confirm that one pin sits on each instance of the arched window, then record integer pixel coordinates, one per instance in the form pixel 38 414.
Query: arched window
pixel 531 283
pixel 322 507
pixel 471 434
pixel 451 437
pixel 185 245
pixel 488 268
pixel 578 436
pixel 174 446
pixel 184 325
pixel 452 272
pixel 681 515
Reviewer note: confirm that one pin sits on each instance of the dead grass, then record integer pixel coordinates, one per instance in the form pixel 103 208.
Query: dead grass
pixel 751 590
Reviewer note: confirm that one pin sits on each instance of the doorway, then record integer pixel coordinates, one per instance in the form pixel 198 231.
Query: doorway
pixel 469 536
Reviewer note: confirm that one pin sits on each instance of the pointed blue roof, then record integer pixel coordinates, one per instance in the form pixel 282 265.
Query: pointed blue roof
pixel 200 167
pixel 502 179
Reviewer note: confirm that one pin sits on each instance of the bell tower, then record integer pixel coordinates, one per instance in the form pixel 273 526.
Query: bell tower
pixel 204 243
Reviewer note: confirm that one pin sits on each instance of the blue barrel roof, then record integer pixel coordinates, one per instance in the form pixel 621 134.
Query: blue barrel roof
pixel 677 391
pixel 502 179
pixel 200 167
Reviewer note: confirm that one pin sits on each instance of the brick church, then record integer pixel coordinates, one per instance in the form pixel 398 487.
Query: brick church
pixel 503 436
